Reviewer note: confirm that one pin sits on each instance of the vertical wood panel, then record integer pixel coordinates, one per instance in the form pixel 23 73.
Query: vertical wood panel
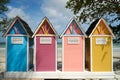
pixel 16 52
pixel 45 55
pixel 73 55
pixel 101 55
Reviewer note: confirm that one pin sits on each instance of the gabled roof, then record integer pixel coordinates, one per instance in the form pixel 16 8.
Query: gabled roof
pixel 45 18
pixel 94 25
pixel 23 24
pixel 73 18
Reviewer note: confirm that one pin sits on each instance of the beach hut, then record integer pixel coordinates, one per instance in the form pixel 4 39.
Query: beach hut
pixel 99 47
pixel 73 47
pixel 45 46
pixel 17 43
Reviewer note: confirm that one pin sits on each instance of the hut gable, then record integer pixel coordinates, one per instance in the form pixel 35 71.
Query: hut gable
pixel 92 26
pixel 73 28
pixel 45 27
pixel 17 29
pixel 18 26
pixel 99 27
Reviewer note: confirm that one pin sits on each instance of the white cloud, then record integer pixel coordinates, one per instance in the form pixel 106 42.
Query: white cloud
pixel 17 12
pixel 57 13
pixel 55 10
pixel 51 11
pixel 13 12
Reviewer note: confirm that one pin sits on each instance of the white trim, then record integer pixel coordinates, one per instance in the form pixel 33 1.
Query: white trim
pixel 45 18
pixel 101 35
pixel 81 28
pixel 108 28
pixel 23 27
pixel 45 35
pixel 56 52
pixel 63 54
pixel 35 53
pixel 6 53
pixel 67 26
pixel 16 35
pixel 112 52
pixel 94 28
pixel 13 22
pixel 73 18
pixel 105 25
pixel 91 55
pixel 83 54
pixel 73 35
pixel 10 27
pixel 27 54
pixel 60 75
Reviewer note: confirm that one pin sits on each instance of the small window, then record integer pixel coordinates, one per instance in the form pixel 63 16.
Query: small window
pixel 73 40
pixel 17 40
pixel 45 40
pixel 101 40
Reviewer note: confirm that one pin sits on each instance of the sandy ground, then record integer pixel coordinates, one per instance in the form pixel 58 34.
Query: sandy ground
pixel 116 53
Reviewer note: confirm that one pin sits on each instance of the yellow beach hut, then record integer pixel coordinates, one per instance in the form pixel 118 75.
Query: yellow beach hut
pixel 99 47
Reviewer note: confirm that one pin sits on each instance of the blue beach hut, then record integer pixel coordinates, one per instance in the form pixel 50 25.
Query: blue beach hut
pixel 17 42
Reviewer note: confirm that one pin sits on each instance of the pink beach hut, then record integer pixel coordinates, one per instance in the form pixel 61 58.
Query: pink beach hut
pixel 73 45
pixel 45 46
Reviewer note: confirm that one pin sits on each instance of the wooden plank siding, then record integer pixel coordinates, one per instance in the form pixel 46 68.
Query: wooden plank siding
pixel 99 47
pixel 17 45
pixel 73 44
pixel 45 48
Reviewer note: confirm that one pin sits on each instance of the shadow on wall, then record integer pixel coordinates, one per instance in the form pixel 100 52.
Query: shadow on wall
pixel 31 54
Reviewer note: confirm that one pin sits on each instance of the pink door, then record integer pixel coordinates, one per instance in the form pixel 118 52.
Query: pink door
pixel 45 53
pixel 73 53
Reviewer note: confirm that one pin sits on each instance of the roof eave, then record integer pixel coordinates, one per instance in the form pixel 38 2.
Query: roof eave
pixel 10 26
pixel 45 18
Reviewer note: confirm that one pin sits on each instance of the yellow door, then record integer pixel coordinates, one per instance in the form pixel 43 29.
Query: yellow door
pixel 101 54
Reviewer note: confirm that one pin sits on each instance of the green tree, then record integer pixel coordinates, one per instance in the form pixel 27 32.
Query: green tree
pixel 4 23
pixel 116 31
pixel 92 9
pixel 3 17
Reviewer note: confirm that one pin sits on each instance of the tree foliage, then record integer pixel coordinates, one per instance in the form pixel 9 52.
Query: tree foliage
pixel 92 9
pixel 3 17
pixel 4 23
pixel 116 31
pixel 3 7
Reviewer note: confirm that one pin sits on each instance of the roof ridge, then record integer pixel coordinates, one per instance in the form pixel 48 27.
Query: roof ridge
pixel 92 26
pixel 23 23
pixel 42 21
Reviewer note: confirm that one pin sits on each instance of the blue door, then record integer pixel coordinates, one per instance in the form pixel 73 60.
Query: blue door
pixel 16 53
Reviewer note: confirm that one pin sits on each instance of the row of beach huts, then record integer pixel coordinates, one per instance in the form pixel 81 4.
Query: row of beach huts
pixel 90 50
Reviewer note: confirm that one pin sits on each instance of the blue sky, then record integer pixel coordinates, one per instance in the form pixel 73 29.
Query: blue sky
pixel 32 11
